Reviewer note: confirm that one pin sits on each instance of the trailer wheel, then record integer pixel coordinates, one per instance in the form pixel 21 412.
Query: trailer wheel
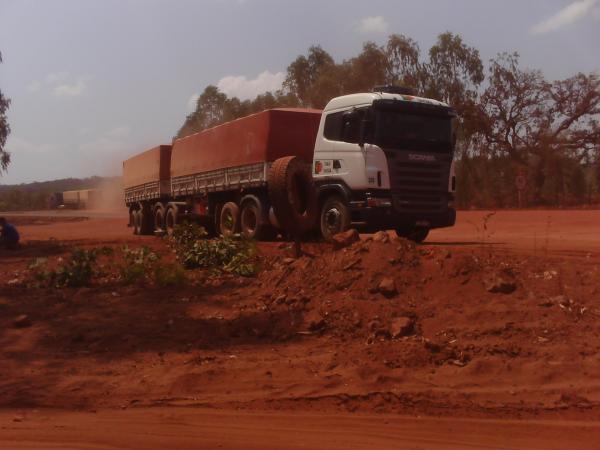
pixel 132 219
pixel 229 219
pixel 415 234
pixel 293 196
pixel 159 218
pixel 145 221
pixel 135 221
pixel 253 223
pixel 171 220
pixel 335 217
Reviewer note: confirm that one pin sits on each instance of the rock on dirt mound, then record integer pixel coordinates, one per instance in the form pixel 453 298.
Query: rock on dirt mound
pixel 345 239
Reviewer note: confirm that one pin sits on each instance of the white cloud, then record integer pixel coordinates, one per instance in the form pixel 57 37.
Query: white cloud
pixel 243 88
pixel 23 146
pixel 119 132
pixel 57 77
pixel 61 84
pixel 69 90
pixel 192 101
pixel 34 86
pixel 568 15
pixel 372 24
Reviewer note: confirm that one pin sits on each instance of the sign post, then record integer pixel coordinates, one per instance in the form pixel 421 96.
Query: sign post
pixel 521 184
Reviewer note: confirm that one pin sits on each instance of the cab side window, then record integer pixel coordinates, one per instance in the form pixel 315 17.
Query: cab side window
pixel 334 126
pixel 345 126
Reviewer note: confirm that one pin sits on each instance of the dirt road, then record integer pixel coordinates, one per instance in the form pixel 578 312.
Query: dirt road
pixel 564 232
pixel 574 233
pixel 485 339
pixel 177 428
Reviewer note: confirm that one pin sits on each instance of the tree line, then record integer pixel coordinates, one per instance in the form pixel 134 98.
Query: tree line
pixel 513 121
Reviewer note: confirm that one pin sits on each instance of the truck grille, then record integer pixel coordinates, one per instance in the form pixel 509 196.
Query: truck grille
pixel 418 186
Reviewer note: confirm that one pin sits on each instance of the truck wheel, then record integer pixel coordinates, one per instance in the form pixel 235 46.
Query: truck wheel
pixel 229 219
pixel 335 217
pixel 146 221
pixel 131 219
pixel 159 218
pixel 253 224
pixel 135 221
pixel 415 234
pixel 171 220
pixel 293 196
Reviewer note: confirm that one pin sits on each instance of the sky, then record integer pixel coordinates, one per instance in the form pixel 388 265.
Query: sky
pixel 93 82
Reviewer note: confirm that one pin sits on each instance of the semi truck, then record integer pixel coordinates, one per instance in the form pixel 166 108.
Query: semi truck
pixel 80 199
pixel 378 160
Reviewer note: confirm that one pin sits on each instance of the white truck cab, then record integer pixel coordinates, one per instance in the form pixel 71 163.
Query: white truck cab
pixel 384 160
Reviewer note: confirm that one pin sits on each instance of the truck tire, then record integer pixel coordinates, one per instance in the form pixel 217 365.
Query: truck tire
pixel 254 223
pixel 146 221
pixel 415 234
pixel 293 195
pixel 229 219
pixel 135 222
pixel 334 217
pixel 131 223
pixel 159 218
pixel 171 219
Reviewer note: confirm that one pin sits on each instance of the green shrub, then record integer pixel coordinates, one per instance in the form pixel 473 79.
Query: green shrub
pixel 187 233
pixel 229 254
pixel 77 271
pixel 169 275
pixel 39 273
pixel 139 263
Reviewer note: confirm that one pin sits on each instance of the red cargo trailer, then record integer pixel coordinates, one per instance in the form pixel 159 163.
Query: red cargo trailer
pixel 146 176
pixel 219 173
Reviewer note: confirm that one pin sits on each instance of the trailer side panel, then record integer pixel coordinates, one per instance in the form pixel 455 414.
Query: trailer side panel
pixel 257 139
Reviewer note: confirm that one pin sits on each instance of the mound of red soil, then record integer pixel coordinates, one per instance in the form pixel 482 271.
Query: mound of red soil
pixel 380 325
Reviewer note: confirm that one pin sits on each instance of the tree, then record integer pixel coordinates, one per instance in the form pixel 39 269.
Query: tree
pixel 4 129
pixel 454 71
pixel 367 70
pixel 304 71
pixel 404 66
pixel 540 124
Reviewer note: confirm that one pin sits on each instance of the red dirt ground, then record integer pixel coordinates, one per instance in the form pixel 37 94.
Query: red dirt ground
pixel 304 355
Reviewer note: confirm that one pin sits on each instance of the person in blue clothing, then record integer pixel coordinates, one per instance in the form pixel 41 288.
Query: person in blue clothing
pixel 9 236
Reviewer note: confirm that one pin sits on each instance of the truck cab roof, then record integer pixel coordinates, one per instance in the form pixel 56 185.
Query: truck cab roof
pixel 364 99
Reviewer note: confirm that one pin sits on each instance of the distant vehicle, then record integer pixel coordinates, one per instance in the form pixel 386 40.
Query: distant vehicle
pixel 380 160
pixel 55 200
pixel 81 199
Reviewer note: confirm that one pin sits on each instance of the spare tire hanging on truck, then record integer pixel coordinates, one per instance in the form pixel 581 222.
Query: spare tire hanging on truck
pixel 293 195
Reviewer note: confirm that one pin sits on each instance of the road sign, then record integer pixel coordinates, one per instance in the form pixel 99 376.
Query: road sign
pixel 521 182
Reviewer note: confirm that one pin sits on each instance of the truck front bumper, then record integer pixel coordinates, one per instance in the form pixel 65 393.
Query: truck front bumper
pixel 385 216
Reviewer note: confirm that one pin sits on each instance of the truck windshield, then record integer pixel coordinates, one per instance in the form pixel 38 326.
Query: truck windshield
pixel 409 131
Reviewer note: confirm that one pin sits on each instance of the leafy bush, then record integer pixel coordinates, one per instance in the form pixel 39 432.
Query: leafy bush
pixel 187 233
pixel 78 270
pixel 169 275
pixel 40 275
pixel 229 254
pixel 138 264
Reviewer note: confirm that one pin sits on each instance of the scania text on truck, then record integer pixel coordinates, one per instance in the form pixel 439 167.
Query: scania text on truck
pixel 381 160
